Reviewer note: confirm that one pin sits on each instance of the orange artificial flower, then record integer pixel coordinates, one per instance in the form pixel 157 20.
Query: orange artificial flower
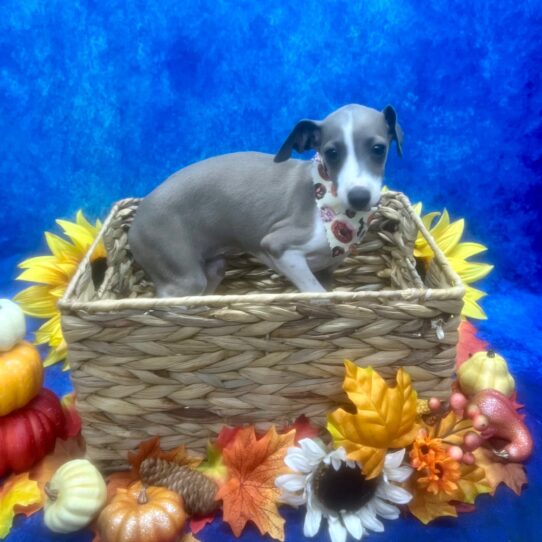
pixel 441 476
pixel 425 451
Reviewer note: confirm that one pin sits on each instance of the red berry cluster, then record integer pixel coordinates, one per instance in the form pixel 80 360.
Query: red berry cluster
pixel 471 440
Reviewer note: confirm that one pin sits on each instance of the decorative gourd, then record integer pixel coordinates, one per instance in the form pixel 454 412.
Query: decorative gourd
pixel 12 325
pixel 140 514
pixel 21 377
pixel 30 433
pixel 485 370
pixel 75 495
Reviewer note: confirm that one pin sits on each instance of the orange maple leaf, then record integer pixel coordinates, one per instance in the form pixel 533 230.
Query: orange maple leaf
pixel 42 472
pixel 250 493
pixel 497 472
pixel 151 448
pixel 146 449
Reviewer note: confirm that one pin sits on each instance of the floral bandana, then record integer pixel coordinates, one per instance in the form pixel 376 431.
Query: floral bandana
pixel 344 227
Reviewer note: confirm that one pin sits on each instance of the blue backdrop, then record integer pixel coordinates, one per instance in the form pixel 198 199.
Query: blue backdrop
pixel 103 100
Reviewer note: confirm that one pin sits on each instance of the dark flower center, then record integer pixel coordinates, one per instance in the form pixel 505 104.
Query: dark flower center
pixel 343 489
pixel 424 449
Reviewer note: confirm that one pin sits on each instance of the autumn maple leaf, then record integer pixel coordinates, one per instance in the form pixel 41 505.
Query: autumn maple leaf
pixel 18 494
pixel 468 343
pixel 146 449
pixel 250 493
pixel 427 507
pixel 450 430
pixel 303 428
pixel 65 450
pixel 385 417
pixel 151 448
pixel 497 472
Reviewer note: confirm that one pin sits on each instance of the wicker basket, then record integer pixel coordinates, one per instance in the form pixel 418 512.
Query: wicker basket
pixel 257 351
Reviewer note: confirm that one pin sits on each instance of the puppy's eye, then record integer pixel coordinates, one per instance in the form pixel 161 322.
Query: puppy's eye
pixel 331 154
pixel 378 150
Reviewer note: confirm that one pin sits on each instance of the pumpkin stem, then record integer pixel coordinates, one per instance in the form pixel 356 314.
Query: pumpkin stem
pixel 52 494
pixel 491 353
pixel 143 498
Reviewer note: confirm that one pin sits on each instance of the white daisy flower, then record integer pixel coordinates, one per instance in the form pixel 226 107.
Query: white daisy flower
pixel 335 488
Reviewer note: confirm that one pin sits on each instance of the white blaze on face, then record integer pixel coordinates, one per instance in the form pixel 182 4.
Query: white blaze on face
pixel 354 173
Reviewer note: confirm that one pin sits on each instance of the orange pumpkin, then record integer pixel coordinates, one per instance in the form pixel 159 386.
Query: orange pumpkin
pixel 140 514
pixel 21 375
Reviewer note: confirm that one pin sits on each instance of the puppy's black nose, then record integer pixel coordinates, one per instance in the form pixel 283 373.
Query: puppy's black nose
pixel 359 198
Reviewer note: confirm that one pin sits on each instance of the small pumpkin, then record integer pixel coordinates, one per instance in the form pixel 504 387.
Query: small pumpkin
pixel 21 377
pixel 139 514
pixel 12 325
pixel 75 495
pixel 29 433
pixel 483 371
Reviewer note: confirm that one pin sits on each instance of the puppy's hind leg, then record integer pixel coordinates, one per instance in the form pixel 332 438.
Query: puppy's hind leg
pixel 192 281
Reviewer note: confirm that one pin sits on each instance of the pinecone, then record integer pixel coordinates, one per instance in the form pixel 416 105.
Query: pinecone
pixel 197 490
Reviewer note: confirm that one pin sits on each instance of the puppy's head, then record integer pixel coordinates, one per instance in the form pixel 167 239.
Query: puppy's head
pixel 353 143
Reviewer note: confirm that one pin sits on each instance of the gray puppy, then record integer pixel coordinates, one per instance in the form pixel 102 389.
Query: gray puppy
pixel 297 217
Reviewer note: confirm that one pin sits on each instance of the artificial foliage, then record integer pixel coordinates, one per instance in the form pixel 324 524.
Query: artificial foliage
pixel 441 482
pixel 250 493
pixel 389 451
pixel 385 417
pixel 18 494
pixel 151 449
pixel 443 466
pixel 512 475
pixel 469 343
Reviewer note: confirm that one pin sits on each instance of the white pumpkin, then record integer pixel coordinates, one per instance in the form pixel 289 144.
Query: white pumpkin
pixel 12 325
pixel 485 370
pixel 75 495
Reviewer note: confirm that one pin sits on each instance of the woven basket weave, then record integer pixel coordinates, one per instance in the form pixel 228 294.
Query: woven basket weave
pixel 257 351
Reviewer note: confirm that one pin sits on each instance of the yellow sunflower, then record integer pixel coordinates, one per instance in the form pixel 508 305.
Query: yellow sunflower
pixel 53 273
pixel 448 235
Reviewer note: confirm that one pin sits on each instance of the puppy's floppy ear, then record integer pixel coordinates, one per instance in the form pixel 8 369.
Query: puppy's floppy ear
pixel 394 129
pixel 305 136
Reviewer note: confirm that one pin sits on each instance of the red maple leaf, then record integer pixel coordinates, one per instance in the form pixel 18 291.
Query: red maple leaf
pixel 468 343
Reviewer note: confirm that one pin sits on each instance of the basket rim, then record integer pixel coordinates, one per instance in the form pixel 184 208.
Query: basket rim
pixel 457 290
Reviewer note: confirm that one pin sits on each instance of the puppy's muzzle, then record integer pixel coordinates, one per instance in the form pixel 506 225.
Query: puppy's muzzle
pixel 359 198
